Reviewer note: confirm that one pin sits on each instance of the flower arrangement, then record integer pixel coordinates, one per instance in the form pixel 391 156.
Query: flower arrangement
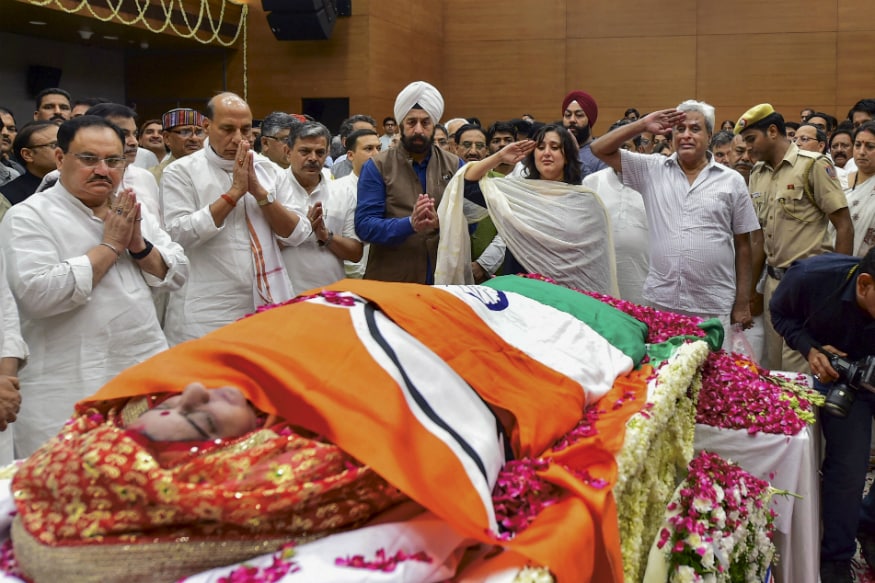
pixel 658 446
pixel 737 394
pixel 719 526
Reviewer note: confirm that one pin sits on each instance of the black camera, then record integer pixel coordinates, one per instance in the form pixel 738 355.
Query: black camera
pixel 853 376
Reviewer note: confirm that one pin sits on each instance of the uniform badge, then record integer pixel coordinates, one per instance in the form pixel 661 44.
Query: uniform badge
pixel 830 171
pixel 791 187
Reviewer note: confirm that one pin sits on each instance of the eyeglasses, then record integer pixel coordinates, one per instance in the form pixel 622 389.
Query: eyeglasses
pixel 645 142
pixel 188 132
pixel 469 145
pixel 47 144
pixel 805 139
pixel 277 138
pixel 90 161
pixel 441 141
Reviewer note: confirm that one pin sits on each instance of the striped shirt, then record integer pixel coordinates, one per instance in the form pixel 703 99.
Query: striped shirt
pixel 691 228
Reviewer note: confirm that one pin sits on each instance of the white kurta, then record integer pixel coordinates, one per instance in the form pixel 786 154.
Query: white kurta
pixel 309 265
pixel 220 287
pixel 145 187
pixel 80 336
pixel 629 222
pixel 12 345
pixel 349 185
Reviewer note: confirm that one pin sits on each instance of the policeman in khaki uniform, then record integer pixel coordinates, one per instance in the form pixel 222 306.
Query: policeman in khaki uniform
pixel 796 195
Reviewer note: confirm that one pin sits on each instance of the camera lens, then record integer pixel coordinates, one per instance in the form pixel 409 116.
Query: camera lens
pixel 839 400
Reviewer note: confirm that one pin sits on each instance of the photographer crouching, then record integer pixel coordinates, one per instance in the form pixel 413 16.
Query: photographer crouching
pixel 824 307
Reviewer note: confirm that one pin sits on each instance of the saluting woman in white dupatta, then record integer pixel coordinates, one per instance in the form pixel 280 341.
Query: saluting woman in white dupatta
pixel 550 223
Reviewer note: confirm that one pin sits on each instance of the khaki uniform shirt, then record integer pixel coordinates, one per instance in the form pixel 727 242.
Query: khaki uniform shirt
pixel 793 227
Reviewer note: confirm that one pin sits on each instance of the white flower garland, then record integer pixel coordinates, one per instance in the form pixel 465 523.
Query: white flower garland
pixel 658 446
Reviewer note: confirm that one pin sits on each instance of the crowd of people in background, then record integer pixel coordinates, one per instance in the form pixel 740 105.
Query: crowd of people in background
pixel 122 236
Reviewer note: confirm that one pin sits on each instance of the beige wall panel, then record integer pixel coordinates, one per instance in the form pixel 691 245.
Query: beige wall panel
pixel 630 18
pixel 756 16
pixel 391 67
pixel 629 72
pixel 426 18
pixel 500 80
pixel 856 15
pixel 856 71
pixel 773 70
pixel 467 21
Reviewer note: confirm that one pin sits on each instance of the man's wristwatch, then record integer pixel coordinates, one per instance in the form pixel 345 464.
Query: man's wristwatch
pixel 266 201
pixel 144 253
pixel 326 241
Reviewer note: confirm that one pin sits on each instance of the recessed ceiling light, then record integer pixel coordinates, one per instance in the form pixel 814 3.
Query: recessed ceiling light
pixel 107 37
pixel 37 23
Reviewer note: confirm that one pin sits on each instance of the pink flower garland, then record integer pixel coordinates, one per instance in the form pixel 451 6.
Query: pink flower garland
pixel 382 561
pixel 737 394
pixel 279 568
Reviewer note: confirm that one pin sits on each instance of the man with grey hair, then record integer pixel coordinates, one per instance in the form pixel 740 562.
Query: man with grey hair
pixel 230 209
pixel 275 130
pixel 342 166
pixel 700 216
pixel 318 260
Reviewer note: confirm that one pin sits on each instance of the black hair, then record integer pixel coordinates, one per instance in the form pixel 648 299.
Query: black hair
pixel 830 120
pixel 7 111
pixel 867 264
pixel 346 127
pixel 389 118
pixel 523 126
pixel 775 119
pixel 352 138
pixel 91 101
pixel 868 126
pixel 500 126
pixel 50 91
pixel 791 125
pixel 864 105
pixel 843 131
pixel 631 110
pixel 112 110
pixel 721 138
pixel 150 122
pixel 68 130
pixel 572 173
pixel 467 128
pixel 22 139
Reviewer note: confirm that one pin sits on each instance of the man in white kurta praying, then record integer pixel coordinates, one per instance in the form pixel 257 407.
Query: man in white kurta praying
pixel 229 208
pixel 80 262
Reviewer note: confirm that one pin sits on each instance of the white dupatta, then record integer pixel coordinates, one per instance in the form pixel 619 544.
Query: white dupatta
pixel 556 229
pixel 270 281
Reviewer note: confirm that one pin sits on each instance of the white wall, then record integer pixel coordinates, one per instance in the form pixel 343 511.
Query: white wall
pixel 87 72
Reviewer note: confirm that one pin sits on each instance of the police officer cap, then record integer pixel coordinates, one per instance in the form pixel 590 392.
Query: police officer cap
pixel 753 115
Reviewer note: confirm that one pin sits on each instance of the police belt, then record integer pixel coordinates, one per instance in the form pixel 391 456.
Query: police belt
pixel 775 272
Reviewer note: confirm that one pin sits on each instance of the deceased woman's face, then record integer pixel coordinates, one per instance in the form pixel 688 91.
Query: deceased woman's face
pixel 198 413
